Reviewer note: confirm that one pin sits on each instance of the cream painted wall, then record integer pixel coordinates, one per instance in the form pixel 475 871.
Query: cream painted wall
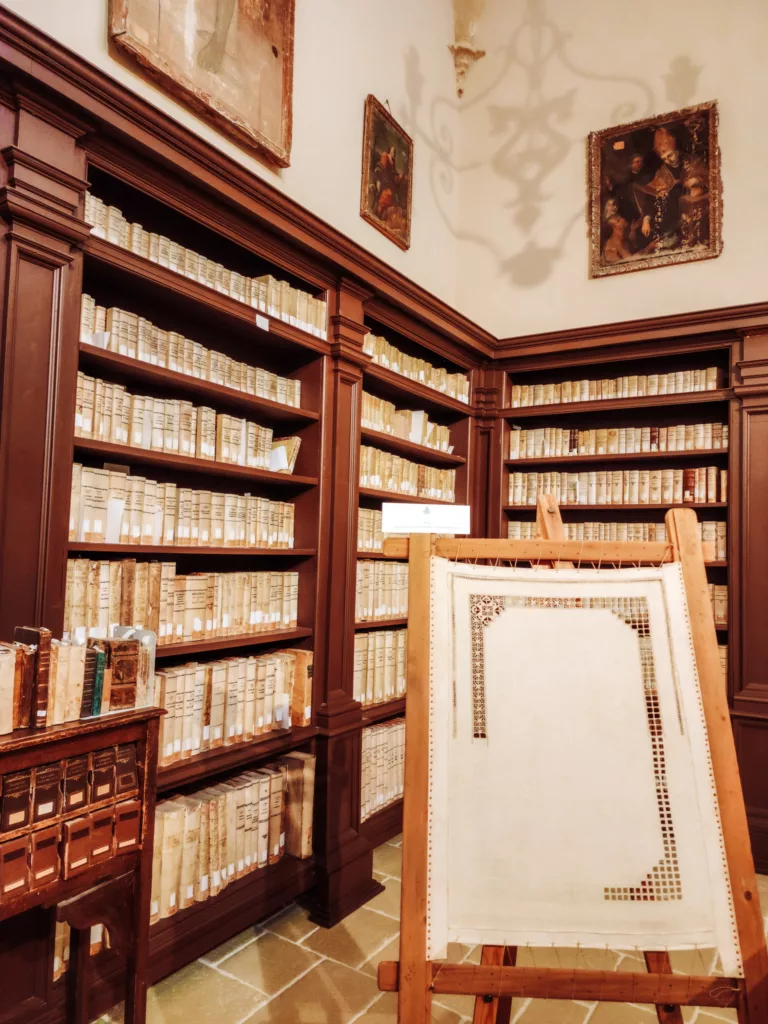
pixel 344 49
pixel 557 69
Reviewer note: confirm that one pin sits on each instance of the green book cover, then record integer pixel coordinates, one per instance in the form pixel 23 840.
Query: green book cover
pixel 98 683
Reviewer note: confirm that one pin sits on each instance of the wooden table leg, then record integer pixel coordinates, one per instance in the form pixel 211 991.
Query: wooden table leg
pixel 77 983
pixel 495 1011
pixel 658 963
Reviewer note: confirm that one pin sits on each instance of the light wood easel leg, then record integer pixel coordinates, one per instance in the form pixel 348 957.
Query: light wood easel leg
pixel 682 531
pixel 415 998
pixel 495 1011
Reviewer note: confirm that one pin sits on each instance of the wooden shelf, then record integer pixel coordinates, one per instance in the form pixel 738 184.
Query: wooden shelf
pixel 374 492
pixel 381 624
pixel 128 550
pixel 373 713
pixel 384 824
pixel 409 449
pixel 160 281
pixel 611 508
pixel 560 460
pixel 380 555
pixel 178 940
pixel 717 564
pixel 398 388
pixel 211 394
pixel 236 755
pixel 609 404
pixel 206 467
pixel 224 643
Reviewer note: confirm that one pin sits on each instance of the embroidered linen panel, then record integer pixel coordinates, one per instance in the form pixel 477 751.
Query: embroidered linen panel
pixel 571 797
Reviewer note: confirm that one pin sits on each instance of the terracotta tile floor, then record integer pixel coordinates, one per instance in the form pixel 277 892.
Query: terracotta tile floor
pixel 287 971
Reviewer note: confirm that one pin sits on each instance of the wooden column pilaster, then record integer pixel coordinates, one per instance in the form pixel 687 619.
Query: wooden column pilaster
pixel 487 461
pixel 344 858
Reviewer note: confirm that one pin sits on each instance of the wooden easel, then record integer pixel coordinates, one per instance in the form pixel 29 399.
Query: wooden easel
pixel 497 980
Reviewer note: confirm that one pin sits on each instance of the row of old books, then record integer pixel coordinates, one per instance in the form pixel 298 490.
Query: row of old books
pixel 383 760
pixel 408 424
pixel 266 293
pixel 178 609
pixel 557 442
pixel 58 820
pixel 370 536
pixel 208 839
pixel 380 666
pixel 629 386
pixel 115 507
pixel 44 681
pixel 718 595
pixel 381 591
pixel 703 485
pixel 385 354
pixel 710 531
pixel 107 412
pixel 388 472
pixel 233 700
pixel 128 334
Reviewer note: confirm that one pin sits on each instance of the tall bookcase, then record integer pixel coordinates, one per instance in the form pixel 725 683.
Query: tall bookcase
pixel 441 408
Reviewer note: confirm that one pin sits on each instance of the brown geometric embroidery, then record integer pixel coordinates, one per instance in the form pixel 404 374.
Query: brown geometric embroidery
pixel 663 882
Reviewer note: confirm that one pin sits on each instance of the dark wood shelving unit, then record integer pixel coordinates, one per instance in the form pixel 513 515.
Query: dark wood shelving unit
pixel 224 643
pixel 619 508
pixel 235 755
pixel 373 713
pixel 374 492
pixel 379 555
pixel 609 404
pixel 206 467
pixel 177 551
pixel 409 449
pixel 399 389
pixel 217 395
pixel 562 460
pixel 385 824
pixel 381 624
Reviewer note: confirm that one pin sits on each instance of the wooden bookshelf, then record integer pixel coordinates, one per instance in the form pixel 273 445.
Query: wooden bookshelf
pixel 373 713
pixel 225 643
pixel 409 449
pixel 380 555
pixel 179 551
pixel 563 460
pixel 381 624
pixel 620 508
pixel 385 824
pixel 623 404
pixel 406 392
pixel 375 492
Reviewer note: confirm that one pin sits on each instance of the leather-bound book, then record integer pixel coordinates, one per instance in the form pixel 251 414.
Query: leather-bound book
pixel 44 862
pixel 26 661
pixel 124 662
pixel 8 695
pixel 127 776
pixel 301 699
pixel 127 826
pixel 46 799
pixel 102 834
pixel 76 847
pixel 301 790
pixel 89 682
pixel 103 774
pixel 16 801
pixel 76 783
pixel 14 870
pixel 99 649
pixel 40 637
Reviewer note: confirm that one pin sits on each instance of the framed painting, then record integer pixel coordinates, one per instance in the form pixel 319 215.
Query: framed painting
pixel 655 192
pixel 230 60
pixel 385 199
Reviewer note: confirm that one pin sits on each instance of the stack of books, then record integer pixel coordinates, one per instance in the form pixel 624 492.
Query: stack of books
pixel 705 485
pixel 206 840
pixel 558 442
pixel 369 533
pixel 381 591
pixel 113 507
pixel 409 424
pixel 630 386
pixel 233 700
pixel 383 759
pixel 387 472
pixel 127 334
pixel 382 352
pixel 178 609
pixel 380 666
pixel 711 532
pixel 266 293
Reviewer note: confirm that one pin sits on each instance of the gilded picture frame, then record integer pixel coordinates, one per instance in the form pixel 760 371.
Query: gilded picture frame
pixel 231 61
pixel 387 177
pixel 655 192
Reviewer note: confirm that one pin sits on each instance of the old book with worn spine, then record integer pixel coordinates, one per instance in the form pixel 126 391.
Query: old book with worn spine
pixel 44 862
pixel 15 802
pixel 40 637
pixel 300 800
pixel 46 801
pixel 127 779
pixel 76 783
pixel 124 662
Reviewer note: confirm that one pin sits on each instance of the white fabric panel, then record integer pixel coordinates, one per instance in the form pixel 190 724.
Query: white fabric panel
pixel 589 789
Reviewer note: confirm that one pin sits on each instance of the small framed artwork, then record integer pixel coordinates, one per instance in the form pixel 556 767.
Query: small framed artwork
pixel 655 193
pixel 385 200
pixel 231 61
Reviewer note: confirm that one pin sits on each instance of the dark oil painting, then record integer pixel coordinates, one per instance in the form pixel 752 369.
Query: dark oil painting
pixel 385 200
pixel 655 192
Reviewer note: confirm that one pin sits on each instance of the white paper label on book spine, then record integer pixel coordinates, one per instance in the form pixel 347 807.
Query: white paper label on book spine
pixel 307 713
pixel 262 322
pixel 216 877
pixel 282 839
pixel 418 518
pixel 240 865
pixel 261 722
pixel 155 907
pixel 204 883
pixel 206 732
pixel 190 892
pixel 276 851
pixel 172 900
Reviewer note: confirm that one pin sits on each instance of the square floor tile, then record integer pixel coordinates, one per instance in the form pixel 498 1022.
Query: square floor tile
pixel 270 963
pixel 328 994
pixel 390 952
pixel 292 923
pixel 556 1011
pixel 388 860
pixel 384 1011
pixel 218 953
pixel 387 902
pixel 623 1013
pixel 355 939
pixel 200 994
